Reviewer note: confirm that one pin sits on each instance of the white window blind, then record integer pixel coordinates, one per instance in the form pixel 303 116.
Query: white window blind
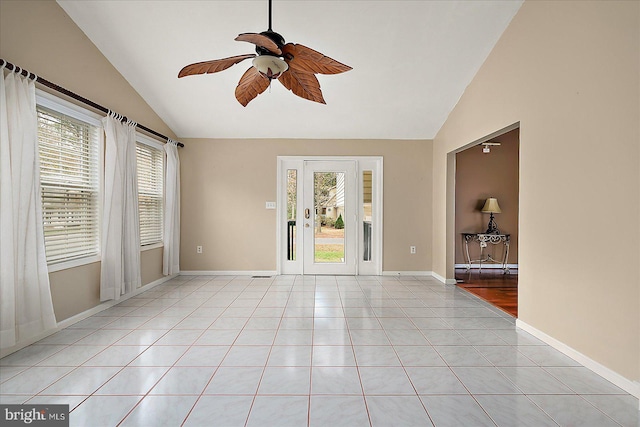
pixel 150 193
pixel 69 159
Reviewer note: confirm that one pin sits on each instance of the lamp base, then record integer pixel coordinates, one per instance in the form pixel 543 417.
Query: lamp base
pixel 492 228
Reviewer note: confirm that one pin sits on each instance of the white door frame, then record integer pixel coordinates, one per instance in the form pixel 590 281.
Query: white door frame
pixel 363 163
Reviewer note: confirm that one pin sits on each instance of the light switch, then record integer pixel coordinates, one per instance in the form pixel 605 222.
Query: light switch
pixel 270 205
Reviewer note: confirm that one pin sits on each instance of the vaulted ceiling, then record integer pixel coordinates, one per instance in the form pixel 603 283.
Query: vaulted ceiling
pixel 411 60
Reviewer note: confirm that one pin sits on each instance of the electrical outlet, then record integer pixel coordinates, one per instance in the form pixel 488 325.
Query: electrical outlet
pixel 412 249
pixel 199 249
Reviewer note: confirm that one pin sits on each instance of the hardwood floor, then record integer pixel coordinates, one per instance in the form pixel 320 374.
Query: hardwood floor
pixel 492 286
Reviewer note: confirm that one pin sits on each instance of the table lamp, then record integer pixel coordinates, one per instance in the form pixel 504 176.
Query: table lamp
pixel 491 206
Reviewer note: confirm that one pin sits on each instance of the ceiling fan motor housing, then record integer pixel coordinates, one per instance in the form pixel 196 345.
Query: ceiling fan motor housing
pixel 275 37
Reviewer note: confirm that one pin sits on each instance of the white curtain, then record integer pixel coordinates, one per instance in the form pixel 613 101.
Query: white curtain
pixel 120 270
pixel 26 309
pixel 171 254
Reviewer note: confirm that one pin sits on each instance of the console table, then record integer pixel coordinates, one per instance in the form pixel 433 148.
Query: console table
pixel 484 239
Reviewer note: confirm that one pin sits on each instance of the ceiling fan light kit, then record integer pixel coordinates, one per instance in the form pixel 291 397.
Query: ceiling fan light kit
pixel 269 66
pixel 294 65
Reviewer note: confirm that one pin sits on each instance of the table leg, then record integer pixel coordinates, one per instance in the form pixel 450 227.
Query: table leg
pixel 505 261
pixel 466 247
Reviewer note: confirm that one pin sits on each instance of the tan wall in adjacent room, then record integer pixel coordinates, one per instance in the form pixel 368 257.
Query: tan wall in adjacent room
pixel 225 184
pixel 40 37
pixel 480 176
pixel 569 74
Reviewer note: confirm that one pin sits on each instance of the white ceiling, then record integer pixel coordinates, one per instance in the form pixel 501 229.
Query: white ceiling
pixel 411 60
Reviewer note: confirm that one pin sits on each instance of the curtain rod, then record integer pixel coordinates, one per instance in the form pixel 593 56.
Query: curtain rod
pixel 47 83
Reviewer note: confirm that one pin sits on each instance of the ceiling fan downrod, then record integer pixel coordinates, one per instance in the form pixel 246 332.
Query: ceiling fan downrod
pixel 275 37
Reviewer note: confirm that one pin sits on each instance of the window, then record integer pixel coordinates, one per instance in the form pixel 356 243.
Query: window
pixel 150 157
pixel 69 164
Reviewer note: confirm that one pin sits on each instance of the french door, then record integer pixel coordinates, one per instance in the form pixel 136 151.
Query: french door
pixel 330 215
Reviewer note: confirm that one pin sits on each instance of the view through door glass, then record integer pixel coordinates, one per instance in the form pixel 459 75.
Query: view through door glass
pixel 367 218
pixel 328 196
pixel 330 245
pixel 292 203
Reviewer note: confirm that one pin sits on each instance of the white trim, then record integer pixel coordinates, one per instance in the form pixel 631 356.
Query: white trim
pixel 487 266
pixel 151 246
pixel 19 346
pixel 228 273
pixel 144 139
pixel 52 102
pixel 630 386
pixel 81 316
pixel 64 265
pixel 406 273
pixel 108 304
pixel 442 279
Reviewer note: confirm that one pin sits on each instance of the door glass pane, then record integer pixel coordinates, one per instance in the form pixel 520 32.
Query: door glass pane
pixel 367 217
pixel 328 199
pixel 292 203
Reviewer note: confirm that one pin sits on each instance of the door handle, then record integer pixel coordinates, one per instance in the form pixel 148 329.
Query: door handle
pixel 307 213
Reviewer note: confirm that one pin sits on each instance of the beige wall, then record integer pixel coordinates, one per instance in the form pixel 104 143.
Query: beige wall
pixel 569 73
pixel 479 176
pixel 225 184
pixel 75 290
pixel 40 37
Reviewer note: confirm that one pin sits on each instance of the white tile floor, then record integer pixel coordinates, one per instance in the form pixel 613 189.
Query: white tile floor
pixel 305 350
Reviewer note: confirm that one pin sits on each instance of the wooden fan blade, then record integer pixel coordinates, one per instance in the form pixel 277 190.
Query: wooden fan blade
pixel 260 40
pixel 251 84
pixel 213 66
pixel 305 59
pixel 303 84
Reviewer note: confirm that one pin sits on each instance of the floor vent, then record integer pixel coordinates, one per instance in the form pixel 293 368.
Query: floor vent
pixel 261 277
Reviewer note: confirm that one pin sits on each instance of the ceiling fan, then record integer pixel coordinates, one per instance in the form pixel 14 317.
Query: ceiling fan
pixel 294 65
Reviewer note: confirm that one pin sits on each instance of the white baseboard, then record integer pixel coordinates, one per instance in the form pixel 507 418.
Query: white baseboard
pixel 443 279
pixel 108 304
pixel 630 386
pixel 420 273
pixel 407 273
pixel 81 316
pixel 228 273
pixel 488 266
pixel 19 346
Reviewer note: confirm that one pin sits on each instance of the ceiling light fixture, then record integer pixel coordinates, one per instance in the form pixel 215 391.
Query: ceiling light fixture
pixel 270 66
pixel 292 64
pixel 486 145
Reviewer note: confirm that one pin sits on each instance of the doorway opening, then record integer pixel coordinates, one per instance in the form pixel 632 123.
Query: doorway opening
pixel 486 219
pixel 329 215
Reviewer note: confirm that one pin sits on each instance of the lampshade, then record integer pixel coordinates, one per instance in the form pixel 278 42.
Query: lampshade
pixel 270 66
pixel 491 206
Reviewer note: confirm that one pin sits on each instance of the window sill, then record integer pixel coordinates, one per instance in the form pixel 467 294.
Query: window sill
pixel 153 246
pixel 65 265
